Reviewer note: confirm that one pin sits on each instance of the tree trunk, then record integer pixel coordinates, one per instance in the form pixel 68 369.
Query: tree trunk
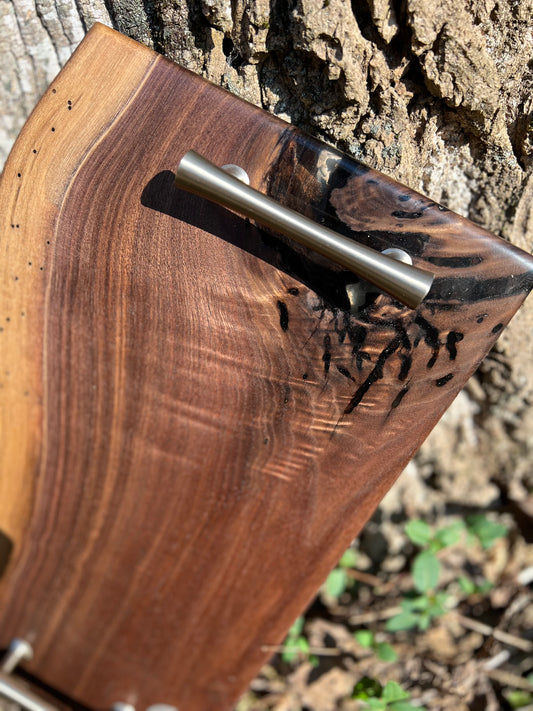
pixel 435 93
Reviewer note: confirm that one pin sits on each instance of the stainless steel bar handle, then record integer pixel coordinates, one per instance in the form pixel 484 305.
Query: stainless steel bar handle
pixel 12 690
pixel 406 283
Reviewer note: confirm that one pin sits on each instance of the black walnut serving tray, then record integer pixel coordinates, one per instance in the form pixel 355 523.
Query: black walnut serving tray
pixel 194 421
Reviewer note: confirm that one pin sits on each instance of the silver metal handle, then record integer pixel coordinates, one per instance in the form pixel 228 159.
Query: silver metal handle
pixel 11 688
pixel 406 283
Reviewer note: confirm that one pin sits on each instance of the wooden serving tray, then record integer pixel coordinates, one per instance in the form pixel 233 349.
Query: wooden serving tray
pixel 194 425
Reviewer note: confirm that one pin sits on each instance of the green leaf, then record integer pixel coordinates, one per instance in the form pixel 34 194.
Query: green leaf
pixel 419 603
pixel 442 598
pixel 393 692
pixel 336 582
pixel 385 652
pixel 402 621
pixel 303 645
pixel 367 688
pixel 437 607
pixel 297 627
pixel 484 587
pixel 377 704
pixel 365 638
pixel 289 655
pixel 405 706
pixel 426 570
pixel 467 586
pixel 485 530
pixel 424 621
pixel 418 532
pixel 449 535
pixel 416 604
pixel 519 698
pixel 295 647
pixel 349 559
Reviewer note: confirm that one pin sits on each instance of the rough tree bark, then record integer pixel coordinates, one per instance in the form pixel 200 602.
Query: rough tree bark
pixel 435 93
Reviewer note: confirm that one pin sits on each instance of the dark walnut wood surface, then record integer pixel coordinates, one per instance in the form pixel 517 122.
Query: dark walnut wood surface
pixel 194 425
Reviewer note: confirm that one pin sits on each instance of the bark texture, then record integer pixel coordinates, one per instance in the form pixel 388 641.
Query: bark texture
pixel 436 93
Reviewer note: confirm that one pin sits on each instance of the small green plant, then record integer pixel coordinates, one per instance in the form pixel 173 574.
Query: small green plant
pixel 338 581
pixel 390 697
pixel 420 610
pixel 485 530
pixel 426 566
pixel 469 587
pixel 518 698
pixel 382 650
pixel 296 645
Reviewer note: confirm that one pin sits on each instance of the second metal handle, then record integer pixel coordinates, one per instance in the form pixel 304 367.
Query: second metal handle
pixel 406 283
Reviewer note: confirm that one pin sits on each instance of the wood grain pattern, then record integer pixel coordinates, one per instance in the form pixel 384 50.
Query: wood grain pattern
pixel 194 425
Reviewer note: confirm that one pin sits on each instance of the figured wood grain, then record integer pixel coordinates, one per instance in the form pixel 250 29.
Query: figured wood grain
pixel 35 181
pixel 195 424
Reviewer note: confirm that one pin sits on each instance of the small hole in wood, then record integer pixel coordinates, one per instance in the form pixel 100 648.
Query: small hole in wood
pixel 17 226
pixel 41 269
pixel 16 278
pixel 47 241
pixel 29 264
pixel 54 91
pixel 19 175
pixel 53 129
pixel 7 318
pixel 23 313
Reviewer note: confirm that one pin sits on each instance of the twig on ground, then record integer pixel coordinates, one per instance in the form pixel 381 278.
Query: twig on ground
pixel 497 660
pixel 317 651
pixel 501 636
pixel 367 617
pixel 525 577
pixel 516 606
pixel 436 669
pixel 367 578
pixel 508 679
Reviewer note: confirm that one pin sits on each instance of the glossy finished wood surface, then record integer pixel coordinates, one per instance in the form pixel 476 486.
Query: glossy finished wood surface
pixel 193 423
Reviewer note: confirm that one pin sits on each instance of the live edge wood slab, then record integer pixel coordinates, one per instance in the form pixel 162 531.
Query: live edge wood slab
pixel 193 423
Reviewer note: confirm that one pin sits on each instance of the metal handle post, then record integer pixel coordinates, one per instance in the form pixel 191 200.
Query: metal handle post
pixel 406 283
